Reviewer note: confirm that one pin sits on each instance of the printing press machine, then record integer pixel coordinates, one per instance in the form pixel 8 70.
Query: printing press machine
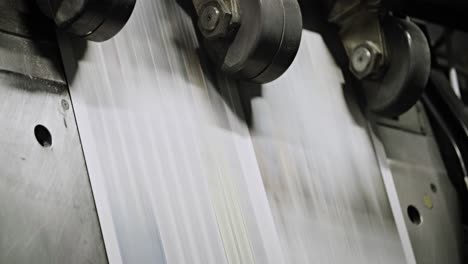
pixel 233 131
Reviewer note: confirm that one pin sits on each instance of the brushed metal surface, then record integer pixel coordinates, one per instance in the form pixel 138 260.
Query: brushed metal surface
pixel 183 172
pixel 421 182
pixel 47 211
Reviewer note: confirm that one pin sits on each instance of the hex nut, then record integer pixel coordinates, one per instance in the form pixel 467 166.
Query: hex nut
pixel 365 60
pixel 209 18
pixel 220 28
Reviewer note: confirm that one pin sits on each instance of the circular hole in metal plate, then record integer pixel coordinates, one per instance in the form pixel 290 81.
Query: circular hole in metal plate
pixel 414 215
pixel 43 136
pixel 433 188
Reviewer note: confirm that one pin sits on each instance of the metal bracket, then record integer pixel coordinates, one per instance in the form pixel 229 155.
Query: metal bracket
pixel 362 34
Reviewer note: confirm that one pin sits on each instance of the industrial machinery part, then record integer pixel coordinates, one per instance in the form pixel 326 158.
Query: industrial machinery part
pixel 407 69
pixel 48 211
pixel 389 55
pixel 450 121
pixel 251 40
pixel 95 20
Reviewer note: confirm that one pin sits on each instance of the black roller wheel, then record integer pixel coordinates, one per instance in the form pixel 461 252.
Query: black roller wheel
pixel 265 44
pixel 408 70
pixel 95 20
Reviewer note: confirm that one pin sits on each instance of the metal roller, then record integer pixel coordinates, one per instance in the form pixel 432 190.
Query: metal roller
pixel 95 20
pixel 389 55
pixel 251 40
pixel 407 71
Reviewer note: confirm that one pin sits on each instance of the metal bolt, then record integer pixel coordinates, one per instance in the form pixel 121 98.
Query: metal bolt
pixel 209 18
pixel 366 60
pixel 361 59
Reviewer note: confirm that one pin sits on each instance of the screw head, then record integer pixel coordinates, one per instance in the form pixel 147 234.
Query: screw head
pixel 361 59
pixel 209 18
